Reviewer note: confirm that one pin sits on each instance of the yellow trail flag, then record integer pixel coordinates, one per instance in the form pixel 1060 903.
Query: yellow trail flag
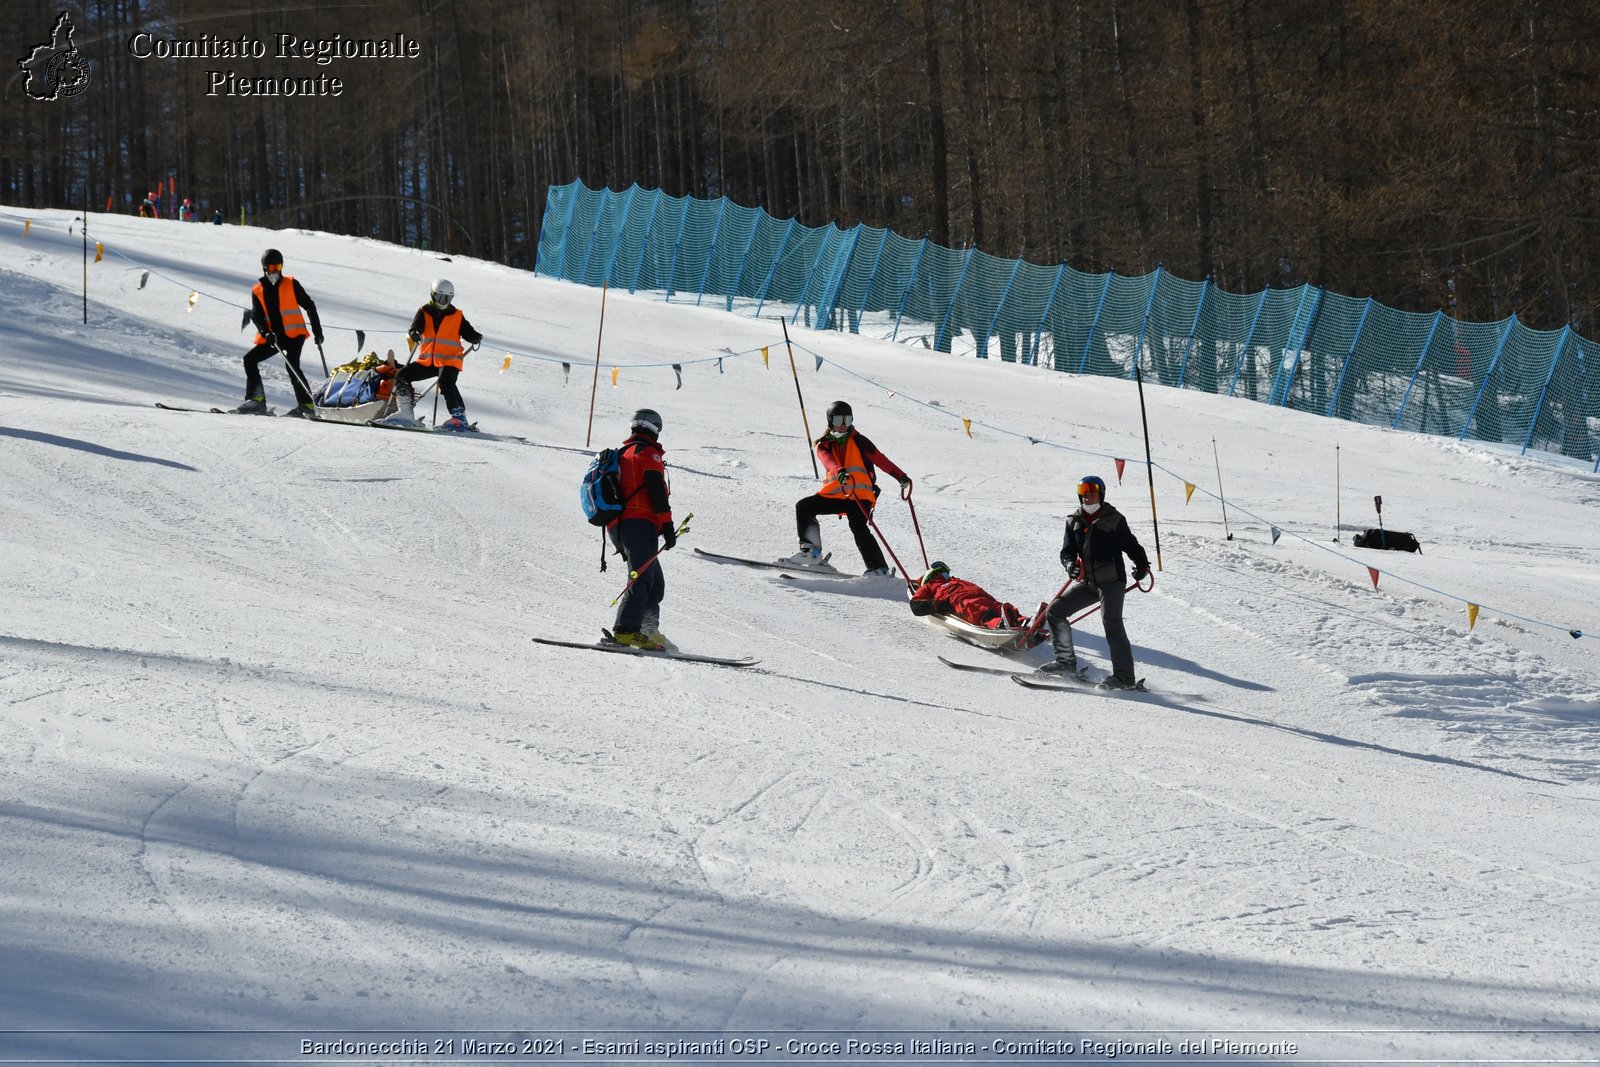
pixel 1472 616
pixel 764 361
pixel 1188 491
pixel 194 298
pixel 99 251
pixel 27 224
pixel 968 424
pixel 506 365
pixel 613 377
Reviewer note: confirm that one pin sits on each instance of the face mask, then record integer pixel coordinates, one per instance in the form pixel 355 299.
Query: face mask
pixel 274 277
pixel 1090 509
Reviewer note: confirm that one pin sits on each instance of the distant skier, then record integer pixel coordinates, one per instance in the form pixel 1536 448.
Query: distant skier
pixel 940 593
pixel 216 220
pixel 186 210
pixel 644 529
pixel 849 488
pixel 1096 539
pixel 147 207
pixel 437 332
pixel 281 310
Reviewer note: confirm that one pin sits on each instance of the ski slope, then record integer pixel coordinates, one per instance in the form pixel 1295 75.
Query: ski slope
pixel 281 756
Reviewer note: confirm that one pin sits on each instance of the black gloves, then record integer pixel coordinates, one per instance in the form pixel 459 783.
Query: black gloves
pixel 272 339
pixel 317 339
pixel 920 608
pixel 1141 572
pixel 669 536
pixel 1073 565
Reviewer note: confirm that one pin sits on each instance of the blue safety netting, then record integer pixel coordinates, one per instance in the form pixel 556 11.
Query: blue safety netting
pixel 1305 348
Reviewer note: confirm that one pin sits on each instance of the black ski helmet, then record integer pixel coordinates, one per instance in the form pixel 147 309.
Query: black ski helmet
pixel 271 258
pixel 840 417
pixel 648 420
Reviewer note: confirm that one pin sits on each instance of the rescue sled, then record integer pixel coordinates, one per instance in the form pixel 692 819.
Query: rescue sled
pixel 1002 640
pixel 359 391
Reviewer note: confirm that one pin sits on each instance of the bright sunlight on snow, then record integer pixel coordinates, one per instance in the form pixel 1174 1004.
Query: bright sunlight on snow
pixel 281 755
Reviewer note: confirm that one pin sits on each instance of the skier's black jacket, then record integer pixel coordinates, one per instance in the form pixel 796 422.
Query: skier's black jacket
pixel 1101 542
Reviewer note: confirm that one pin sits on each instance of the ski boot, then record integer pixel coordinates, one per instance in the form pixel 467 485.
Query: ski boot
pixel 255 405
pixel 1120 681
pixel 634 639
pixel 457 422
pixel 810 555
pixel 301 411
pixel 404 413
pixel 1068 667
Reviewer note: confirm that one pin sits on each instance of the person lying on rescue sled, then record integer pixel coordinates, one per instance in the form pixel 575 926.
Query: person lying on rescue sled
pixel 939 593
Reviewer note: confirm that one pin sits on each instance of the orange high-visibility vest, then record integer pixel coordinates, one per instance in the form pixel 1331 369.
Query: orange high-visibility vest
pixel 858 484
pixel 441 344
pixel 294 319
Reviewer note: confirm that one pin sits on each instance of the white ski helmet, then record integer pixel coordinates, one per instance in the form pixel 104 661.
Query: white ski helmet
pixel 441 292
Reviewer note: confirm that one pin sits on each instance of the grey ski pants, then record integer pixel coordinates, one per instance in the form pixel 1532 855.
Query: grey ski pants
pixel 1075 600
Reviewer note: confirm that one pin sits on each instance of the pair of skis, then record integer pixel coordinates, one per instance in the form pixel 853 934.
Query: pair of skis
pixel 820 569
pixel 1071 683
pixel 610 645
pixel 269 413
pixel 375 424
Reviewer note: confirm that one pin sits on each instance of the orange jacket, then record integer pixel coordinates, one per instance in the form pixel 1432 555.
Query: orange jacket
pixel 440 335
pixel 855 456
pixel 292 315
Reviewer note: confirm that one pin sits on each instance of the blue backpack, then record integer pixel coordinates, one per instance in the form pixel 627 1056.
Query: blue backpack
pixel 601 491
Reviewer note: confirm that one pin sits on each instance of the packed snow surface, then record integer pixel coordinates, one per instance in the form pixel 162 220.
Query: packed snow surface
pixel 280 754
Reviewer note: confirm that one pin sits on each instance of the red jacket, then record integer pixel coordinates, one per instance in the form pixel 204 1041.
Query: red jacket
pixel 967 600
pixel 644 481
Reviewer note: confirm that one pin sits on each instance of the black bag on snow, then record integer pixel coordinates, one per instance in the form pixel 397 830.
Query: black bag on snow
pixel 1392 540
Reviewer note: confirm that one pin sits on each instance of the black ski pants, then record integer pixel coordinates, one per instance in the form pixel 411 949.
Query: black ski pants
pixel 413 372
pixel 638 540
pixel 1075 600
pixel 855 512
pixel 290 347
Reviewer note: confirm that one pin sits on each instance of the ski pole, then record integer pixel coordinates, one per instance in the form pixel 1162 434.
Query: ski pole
pixel 324 357
pixel 1220 494
pixel 1025 639
pixel 633 576
pixel 604 284
pixel 1131 588
pixel 905 494
pixel 805 422
pixel 294 372
pixel 1383 536
pixel 885 542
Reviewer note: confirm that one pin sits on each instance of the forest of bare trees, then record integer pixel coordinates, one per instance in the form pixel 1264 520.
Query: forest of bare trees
pixel 1429 155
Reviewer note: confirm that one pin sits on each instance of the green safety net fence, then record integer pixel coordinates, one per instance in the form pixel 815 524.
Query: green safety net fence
pixel 1304 348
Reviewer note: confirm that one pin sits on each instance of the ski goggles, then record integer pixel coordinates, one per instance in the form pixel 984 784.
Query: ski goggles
pixel 273 268
pixel 841 422
pixel 1088 489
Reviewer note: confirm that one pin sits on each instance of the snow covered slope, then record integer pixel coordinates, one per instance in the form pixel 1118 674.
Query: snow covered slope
pixel 280 754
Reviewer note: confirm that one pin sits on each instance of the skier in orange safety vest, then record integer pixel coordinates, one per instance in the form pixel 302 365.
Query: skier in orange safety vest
pixel 438 331
pixel 284 316
pixel 849 488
